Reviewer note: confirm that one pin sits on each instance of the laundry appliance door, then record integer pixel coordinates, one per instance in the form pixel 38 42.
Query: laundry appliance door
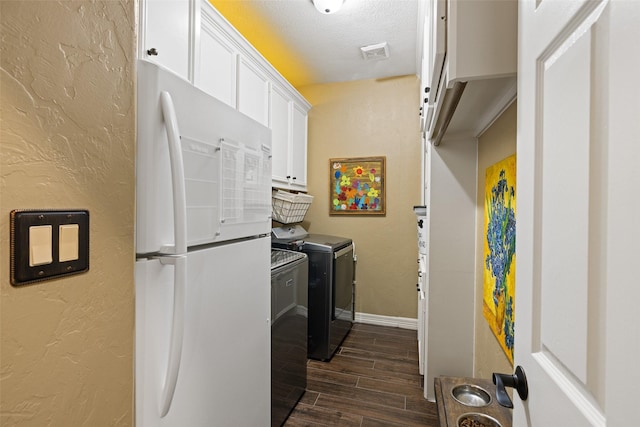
pixel 343 309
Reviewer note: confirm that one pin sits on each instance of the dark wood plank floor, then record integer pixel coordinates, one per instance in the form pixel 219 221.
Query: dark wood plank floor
pixel 373 380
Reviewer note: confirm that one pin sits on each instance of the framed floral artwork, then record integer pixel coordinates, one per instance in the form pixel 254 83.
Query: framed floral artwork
pixel 500 251
pixel 356 186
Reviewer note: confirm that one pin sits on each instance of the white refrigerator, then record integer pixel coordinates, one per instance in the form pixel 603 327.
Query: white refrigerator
pixel 203 224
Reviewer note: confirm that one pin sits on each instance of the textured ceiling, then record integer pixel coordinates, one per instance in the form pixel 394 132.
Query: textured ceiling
pixel 308 47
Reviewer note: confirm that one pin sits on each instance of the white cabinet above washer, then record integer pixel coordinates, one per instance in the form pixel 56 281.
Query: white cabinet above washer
pixel 298 156
pixel 289 140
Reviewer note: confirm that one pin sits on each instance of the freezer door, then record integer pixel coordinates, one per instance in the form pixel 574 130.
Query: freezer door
pixel 197 160
pixel 225 358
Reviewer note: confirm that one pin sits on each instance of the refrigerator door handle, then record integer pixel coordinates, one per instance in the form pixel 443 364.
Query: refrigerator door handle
pixel 177 330
pixel 177 178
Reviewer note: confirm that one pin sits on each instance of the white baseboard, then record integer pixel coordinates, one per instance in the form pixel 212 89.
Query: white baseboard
pixel 394 322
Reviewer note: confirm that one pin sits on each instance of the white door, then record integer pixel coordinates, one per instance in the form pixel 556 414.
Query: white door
pixel 577 329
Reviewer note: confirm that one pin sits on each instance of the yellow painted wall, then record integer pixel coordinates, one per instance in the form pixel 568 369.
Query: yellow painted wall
pixel 68 142
pixel 362 119
pixel 248 20
pixel 497 143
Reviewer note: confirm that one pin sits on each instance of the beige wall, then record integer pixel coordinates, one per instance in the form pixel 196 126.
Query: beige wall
pixel 497 143
pixel 68 141
pixel 361 119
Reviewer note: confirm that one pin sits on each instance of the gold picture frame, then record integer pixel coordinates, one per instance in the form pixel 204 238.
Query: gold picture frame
pixel 357 186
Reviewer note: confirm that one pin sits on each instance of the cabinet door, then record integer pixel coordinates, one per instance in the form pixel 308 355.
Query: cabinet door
pixel 215 71
pixel 165 34
pixel 280 135
pixel 435 44
pixel 253 91
pixel 298 147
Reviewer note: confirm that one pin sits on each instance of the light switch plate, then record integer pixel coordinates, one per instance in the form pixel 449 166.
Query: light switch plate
pixel 68 229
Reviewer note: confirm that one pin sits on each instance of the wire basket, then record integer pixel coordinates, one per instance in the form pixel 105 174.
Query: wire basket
pixel 288 207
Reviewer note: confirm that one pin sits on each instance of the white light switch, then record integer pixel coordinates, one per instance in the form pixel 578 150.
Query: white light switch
pixel 48 244
pixel 68 244
pixel 40 245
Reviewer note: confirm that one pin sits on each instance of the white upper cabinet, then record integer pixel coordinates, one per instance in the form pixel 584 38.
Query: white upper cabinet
pixel 435 45
pixel 289 136
pixel 280 135
pixel 166 29
pixel 470 55
pixel 216 62
pixel 253 91
pixel 298 147
pixel 192 39
pixel 482 39
pixel 433 55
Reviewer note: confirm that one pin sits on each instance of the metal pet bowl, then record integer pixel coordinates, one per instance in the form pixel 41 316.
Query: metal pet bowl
pixel 473 419
pixel 471 395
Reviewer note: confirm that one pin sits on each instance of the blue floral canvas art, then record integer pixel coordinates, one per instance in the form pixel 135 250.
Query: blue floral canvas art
pixel 500 251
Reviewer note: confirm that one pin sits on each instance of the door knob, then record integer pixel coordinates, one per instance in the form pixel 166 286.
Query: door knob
pixel 518 381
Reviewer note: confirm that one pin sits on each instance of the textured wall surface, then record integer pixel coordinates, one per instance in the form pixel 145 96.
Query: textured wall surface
pixel 363 119
pixel 497 143
pixel 68 142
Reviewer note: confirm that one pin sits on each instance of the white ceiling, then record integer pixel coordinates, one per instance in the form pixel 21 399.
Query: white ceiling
pixel 329 48
pixel 329 45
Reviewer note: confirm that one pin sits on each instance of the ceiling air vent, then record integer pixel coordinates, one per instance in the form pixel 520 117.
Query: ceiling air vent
pixel 375 51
